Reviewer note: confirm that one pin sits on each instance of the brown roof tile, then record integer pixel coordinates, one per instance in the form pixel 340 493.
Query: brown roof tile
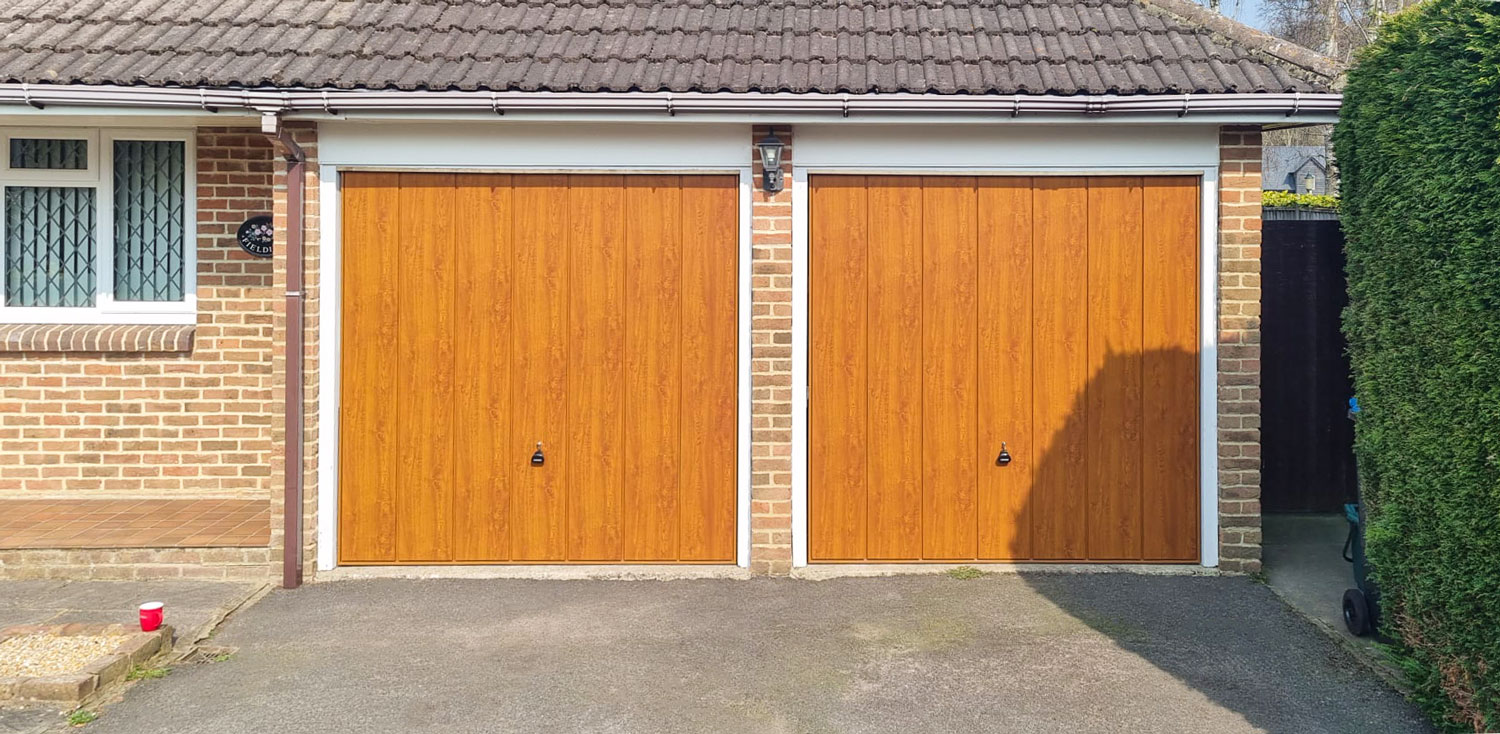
pixel 855 46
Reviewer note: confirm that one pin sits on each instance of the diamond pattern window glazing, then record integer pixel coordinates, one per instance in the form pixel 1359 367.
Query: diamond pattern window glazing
pixel 49 246
pixel 48 154
pixel 149 236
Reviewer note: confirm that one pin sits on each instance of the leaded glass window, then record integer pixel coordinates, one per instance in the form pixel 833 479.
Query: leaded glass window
pixel 49 246
pixel 148 220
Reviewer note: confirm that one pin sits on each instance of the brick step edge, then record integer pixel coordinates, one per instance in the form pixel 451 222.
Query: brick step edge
pixel 73 689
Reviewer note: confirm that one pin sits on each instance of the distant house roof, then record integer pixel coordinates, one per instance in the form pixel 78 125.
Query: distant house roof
pixel 1127 47
pixel 1279 163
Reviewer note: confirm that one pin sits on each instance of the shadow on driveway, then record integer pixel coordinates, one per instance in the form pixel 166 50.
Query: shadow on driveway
pixel 1092 652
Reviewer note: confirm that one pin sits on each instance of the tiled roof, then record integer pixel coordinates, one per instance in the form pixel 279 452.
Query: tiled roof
pixel 855 46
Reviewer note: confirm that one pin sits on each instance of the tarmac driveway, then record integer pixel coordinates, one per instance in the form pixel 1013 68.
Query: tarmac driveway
pixel 1036 652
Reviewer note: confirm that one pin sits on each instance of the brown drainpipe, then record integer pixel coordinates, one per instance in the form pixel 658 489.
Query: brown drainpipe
pixel 296 164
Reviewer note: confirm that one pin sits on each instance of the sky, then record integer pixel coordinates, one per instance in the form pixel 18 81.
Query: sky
pixel 1244 11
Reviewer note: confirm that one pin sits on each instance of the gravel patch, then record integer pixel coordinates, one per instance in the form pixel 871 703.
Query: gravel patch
pixel 40 655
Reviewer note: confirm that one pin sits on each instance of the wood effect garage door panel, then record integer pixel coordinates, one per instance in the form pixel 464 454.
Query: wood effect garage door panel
pixel 483 313
pixel 1054 314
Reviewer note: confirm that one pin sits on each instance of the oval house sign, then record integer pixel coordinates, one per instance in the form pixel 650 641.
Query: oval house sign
pixel 256 235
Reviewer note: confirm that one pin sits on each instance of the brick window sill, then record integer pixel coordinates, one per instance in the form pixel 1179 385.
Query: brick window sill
pixel 117 338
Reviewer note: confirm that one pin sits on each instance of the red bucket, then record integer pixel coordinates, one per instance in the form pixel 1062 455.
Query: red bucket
pixel 151 616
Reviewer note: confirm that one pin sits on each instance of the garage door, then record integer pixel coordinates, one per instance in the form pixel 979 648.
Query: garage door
pixel 587 320
pixel 1052 318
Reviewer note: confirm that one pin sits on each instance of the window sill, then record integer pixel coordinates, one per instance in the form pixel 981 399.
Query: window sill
pixel 117 338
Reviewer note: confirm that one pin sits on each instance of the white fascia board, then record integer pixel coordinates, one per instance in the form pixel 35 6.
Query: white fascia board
pixel 803 118
pixel 136 117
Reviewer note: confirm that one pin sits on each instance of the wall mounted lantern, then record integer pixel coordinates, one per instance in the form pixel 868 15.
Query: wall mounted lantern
pixel 770 162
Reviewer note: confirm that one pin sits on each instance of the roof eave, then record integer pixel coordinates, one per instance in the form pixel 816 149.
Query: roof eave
pixel 315 101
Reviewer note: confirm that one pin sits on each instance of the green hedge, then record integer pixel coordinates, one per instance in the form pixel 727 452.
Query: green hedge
pixel 1289 199
pixel 1418 148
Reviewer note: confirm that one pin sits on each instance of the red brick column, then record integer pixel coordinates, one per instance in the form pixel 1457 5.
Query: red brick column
pixel 771 369
pixel 1239 348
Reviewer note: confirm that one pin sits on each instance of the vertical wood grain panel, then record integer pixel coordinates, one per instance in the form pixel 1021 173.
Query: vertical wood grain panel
pixel 485 312
pixel 1005 384
pixel 653 381
pixel 424 477
pixel 539 362
pixel 838 219
pixel 1170 369
pixel 596 368
pixel 710 277
pixel 1057 315
pixel 481 370
pixel 1059 368
pixel 894 322
pixel 1114 363
pixel 950 369
pixel 367 454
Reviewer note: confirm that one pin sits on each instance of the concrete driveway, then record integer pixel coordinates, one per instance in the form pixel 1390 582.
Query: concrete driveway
pixel 1024 653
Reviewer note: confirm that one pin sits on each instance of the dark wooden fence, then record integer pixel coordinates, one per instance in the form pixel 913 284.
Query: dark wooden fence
pixel 1307 441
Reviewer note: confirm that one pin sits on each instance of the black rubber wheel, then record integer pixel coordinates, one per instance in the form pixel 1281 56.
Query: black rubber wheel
pixel 1356 613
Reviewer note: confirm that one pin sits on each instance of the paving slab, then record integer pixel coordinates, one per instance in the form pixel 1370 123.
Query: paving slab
pixel 190 605
pixel 30 720
pixel 1013 652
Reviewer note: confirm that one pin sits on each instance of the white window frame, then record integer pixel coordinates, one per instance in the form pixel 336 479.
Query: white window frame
pixel 100 176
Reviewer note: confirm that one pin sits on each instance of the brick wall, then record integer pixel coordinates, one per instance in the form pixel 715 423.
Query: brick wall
pixel 1239 348
pixel 78 425
pixel 771 368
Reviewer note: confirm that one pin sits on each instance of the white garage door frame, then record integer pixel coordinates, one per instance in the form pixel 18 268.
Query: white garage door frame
pixel 514 148
pixel 1098 149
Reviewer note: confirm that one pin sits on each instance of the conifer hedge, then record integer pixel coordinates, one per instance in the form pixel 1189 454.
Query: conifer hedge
pixel 1418 148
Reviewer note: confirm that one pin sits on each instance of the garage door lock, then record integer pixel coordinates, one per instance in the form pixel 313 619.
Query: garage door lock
pixel 1004 457
pixel 538 458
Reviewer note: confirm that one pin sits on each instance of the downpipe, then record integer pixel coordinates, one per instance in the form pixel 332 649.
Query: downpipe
pixel 292 491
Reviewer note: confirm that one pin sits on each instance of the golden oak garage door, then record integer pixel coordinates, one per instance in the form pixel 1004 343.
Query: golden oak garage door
pixel 586 321
pixel 1051 318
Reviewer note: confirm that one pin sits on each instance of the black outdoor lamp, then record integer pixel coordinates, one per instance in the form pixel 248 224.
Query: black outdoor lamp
pixel 770 162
